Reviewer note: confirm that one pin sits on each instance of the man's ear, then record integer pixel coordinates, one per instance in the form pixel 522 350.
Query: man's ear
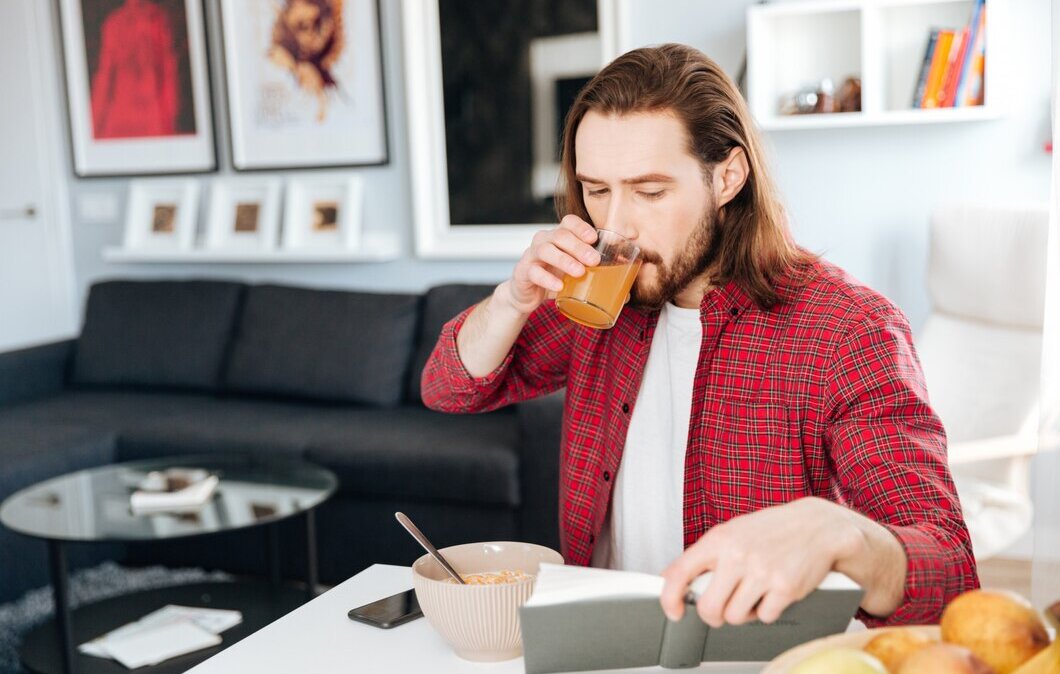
pixel 730 174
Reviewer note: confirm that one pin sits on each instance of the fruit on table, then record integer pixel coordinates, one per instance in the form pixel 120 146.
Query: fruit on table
pixel 1046 662
pixel 942 658
pixel 840 661
pixel 894 646
pixel 1002 628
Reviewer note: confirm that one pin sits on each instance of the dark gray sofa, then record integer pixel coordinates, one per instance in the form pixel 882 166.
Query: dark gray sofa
pixel 180 367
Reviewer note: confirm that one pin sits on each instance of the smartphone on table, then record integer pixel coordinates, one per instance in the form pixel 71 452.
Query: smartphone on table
pixel 388 612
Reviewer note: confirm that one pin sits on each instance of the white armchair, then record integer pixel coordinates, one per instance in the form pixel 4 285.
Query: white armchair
pixel 981 354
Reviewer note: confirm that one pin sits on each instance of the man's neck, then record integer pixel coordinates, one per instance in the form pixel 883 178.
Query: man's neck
pixel 692 295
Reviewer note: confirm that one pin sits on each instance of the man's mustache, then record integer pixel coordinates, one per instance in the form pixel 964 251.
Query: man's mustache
pixel 650 257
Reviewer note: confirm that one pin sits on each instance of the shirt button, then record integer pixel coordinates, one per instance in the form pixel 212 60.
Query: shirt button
pixel 607 476
pixel 734 311
pixel 643 334
pixel 625 408
pixel 592 539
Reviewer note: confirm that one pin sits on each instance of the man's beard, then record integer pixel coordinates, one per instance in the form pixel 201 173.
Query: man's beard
pixel 696 256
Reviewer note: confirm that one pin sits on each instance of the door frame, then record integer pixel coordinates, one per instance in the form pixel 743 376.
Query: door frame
pixel 53 209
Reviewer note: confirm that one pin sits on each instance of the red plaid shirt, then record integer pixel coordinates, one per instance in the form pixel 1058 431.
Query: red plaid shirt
pixel 820 396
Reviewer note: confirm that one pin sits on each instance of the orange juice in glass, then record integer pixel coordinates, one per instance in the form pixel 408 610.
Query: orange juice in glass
pixel 595 298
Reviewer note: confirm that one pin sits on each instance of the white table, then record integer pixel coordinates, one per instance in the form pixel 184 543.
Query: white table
pixel 319 638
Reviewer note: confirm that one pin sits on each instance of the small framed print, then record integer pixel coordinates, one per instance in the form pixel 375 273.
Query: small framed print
pixel 161 214
pixel 323 213
pixel 244 214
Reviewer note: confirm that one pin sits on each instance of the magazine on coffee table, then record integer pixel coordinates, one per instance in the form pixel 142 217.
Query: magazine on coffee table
pixel 582 618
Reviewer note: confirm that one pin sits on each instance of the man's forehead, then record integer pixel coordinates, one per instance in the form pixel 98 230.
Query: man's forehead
pixel 614 147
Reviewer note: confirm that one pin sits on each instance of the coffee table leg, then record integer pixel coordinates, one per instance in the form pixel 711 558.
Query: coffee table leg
pixel 60 591
pixel 272 540
pixel 311 553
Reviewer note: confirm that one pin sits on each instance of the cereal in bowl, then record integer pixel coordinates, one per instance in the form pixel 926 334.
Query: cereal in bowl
pixel 492 577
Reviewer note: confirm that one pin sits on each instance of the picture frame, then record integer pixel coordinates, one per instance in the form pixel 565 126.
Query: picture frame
pixel 559 67
pixel 113 131
pixel 287 111
pixel 323 213
pixel 161 214
pixel 244 214
pixel 438 233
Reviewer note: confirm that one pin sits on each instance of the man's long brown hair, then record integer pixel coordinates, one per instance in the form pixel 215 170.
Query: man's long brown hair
pixel 751 242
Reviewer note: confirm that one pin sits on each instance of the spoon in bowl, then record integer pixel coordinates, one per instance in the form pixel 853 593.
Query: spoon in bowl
pixel 422 540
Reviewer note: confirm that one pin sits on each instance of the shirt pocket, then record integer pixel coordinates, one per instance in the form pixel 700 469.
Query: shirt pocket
pixel 746 455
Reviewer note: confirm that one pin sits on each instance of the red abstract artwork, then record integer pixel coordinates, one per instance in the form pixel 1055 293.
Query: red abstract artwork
pixel 138 66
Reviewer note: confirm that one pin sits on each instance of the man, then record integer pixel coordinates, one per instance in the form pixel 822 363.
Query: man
pixel 755 412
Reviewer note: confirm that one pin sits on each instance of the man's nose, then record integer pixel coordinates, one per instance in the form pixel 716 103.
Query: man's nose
pixel 620 219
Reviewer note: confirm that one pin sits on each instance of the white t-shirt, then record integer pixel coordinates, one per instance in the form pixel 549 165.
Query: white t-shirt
pixel 644 530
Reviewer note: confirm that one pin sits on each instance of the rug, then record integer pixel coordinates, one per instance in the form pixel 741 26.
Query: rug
pixel 87 585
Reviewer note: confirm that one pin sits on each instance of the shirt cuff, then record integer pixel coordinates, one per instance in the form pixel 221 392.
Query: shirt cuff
pixel 460 380
pixel 925 580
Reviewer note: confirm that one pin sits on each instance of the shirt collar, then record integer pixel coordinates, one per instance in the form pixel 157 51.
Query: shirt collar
pixel 729 298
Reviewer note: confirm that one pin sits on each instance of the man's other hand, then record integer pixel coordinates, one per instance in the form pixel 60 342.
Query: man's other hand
pixel 763 562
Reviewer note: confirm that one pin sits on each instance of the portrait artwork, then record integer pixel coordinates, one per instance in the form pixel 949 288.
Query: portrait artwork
pixel 139 70
pixel 304 83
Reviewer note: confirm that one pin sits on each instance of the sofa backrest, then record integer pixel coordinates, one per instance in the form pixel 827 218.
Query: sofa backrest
pixel 332 345
pixel 440 304
pixel 169 334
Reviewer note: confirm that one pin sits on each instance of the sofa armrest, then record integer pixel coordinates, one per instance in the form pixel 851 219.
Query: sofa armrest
pixel 34 372
pixel 540 426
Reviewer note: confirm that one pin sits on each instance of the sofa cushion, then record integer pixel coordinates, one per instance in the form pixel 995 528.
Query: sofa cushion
pixel 323 344
pixel 415 453
pixel 156 333
pixel 440 305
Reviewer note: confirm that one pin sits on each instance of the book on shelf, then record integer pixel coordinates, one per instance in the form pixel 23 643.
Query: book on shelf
pixel 925 68
pixel 938 68
pixel 948 88
pixel 581 618
pixel 951 72
pixel 976 42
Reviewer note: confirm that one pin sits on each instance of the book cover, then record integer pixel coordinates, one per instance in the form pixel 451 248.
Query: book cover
pixel 925 69
pixel 970 48
pixel 938 68
pixel 953 70
pixel 972 93
pixel 586 619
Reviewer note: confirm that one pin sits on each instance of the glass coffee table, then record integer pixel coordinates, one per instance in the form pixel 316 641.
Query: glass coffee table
pixel 93 506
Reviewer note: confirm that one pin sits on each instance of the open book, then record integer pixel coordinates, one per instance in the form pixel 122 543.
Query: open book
pixel 581 618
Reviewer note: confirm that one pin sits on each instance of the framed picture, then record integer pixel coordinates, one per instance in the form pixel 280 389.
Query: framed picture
pixel 244 214
pixel 161 214
pixel 304 81
pixel 485 113
pixel 323 213
pixel 138 86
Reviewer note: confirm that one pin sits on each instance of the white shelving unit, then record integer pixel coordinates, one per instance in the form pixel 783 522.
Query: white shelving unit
pixel 377 247
pixel 794 44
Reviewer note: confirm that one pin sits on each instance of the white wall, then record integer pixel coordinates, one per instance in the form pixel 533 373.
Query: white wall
pixel 860 196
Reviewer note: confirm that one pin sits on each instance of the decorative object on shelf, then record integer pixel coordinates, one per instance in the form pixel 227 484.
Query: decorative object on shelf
pixel 323 213
pixel 161 214
pixel 304 81
pixel 485 112
pixel 137 82
pixel 244 214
